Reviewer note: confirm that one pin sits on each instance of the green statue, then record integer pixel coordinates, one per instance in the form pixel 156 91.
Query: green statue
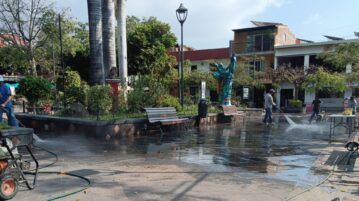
pixel 224 76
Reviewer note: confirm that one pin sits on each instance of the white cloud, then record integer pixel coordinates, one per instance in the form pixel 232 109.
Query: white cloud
pixel 209 23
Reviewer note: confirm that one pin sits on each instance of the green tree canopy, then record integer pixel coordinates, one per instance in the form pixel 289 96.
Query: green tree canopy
pixel 46 48
pixel 322 80
pixel 346 53
pixel 148 42
pixel 35 88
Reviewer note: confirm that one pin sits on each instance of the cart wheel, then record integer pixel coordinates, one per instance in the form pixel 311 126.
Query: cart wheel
pixel 8 187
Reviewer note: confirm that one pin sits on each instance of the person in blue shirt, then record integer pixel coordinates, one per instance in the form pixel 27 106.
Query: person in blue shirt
pixel 6 104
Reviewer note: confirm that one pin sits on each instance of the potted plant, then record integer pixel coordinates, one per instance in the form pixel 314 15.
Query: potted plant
pixel 35 89
pixel 294 106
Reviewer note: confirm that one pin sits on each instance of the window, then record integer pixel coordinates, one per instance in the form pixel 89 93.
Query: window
pixel 258 66
pixel 194 68
pixel 356 92
pixel 260 41
pixel 250 43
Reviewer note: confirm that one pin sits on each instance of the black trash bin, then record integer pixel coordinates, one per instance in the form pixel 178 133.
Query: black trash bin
pixel 202 108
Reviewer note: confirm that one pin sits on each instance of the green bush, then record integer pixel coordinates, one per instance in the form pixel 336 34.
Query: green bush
pixel 295 103
pixel 75 89
pixel 99 99
pixel 147 92
pixel 72 79
pixel 35 88
pixel 77 94
pixel 170 101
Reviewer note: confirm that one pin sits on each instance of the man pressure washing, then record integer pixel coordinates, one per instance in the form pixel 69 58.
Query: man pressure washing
pixel 6 104
pixel 268 105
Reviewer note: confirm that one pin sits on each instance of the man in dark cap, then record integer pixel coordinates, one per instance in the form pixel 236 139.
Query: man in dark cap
pixel 6 104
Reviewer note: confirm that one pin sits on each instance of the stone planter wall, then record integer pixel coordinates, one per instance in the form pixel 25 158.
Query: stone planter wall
pixel 102 129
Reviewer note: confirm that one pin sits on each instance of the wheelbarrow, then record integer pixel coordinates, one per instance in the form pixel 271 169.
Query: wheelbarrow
pixel 14 170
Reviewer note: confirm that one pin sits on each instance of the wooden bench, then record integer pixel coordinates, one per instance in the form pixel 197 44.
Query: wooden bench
pixel 352 145
pixel 163 116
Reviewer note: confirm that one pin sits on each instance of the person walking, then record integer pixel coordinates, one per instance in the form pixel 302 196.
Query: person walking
pixel 268 105
pixel 316 108
pixel 352 104
pixel 6 104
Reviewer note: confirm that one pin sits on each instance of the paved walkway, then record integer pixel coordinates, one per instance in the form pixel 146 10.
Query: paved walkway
pixel 253 163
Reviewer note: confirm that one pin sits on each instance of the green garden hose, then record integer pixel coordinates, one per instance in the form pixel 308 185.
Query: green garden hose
pixel 62 173
pixel 318 184
pixel 72 192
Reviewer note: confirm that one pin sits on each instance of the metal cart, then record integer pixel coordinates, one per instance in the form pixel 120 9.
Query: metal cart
pixel 14 171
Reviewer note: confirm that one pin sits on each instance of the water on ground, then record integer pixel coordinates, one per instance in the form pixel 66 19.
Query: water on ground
pixel 280 151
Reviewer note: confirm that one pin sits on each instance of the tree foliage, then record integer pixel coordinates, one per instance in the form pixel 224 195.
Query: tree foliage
pixel 13 60
pixel 346 53
pixel 26 19
pixel 75 89
pixel 39 49
pixel 35 88
pixel 148 41
pixel 294 75
pixel 323 80
pixel 148 91
pixel 99 101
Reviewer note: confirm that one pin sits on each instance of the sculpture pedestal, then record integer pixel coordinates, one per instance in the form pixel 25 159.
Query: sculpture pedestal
pixel 115 91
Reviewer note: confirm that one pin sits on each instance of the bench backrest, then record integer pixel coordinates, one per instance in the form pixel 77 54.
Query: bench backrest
pixel 230 110
pixel 160 113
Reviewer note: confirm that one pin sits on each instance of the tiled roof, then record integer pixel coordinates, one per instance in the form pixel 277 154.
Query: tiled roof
pixel 207 54
pixel 4 37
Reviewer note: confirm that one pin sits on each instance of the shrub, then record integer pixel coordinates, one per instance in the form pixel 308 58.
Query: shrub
pixel 77 94
pixel 75 89
pixel 35 88
pixel 99 100
pixel 147 92
pixel 295 103
pixel 170 101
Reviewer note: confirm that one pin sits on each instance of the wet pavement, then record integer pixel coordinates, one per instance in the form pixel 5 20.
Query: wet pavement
pixel 223 162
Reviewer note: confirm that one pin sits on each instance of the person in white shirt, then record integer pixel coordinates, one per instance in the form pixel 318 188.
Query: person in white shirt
pixel 268 105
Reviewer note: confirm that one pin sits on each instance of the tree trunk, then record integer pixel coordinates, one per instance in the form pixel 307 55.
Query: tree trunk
pixel 95 28
pixel 296 92
pixel 32 60
pixel 108 35
pixel 122 41
pixel 33 66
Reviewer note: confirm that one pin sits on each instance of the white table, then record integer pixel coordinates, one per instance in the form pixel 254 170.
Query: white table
pixel 346 121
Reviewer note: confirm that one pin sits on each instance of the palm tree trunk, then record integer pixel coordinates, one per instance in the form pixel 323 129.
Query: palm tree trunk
pixel 122 41
pixel 108 35
pixel 95 28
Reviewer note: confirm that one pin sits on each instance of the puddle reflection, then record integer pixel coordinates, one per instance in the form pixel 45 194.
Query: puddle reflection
pixel 255 148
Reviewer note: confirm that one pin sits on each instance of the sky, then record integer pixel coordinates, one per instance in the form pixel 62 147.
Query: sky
pixel 210 22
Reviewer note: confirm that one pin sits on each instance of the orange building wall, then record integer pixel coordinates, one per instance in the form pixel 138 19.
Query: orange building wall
pixel 284 36
pixel 239 42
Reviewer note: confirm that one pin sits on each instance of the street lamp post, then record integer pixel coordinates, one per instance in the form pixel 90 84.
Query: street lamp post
pixel 178 57
pixel 181 14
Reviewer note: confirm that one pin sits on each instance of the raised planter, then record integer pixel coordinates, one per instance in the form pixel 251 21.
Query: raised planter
pixel 293 110
pixel 101 129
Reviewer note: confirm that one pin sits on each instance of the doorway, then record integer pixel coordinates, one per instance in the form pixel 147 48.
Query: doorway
pixel 285 96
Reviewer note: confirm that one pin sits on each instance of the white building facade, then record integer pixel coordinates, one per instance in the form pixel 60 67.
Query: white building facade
pixel 304 55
